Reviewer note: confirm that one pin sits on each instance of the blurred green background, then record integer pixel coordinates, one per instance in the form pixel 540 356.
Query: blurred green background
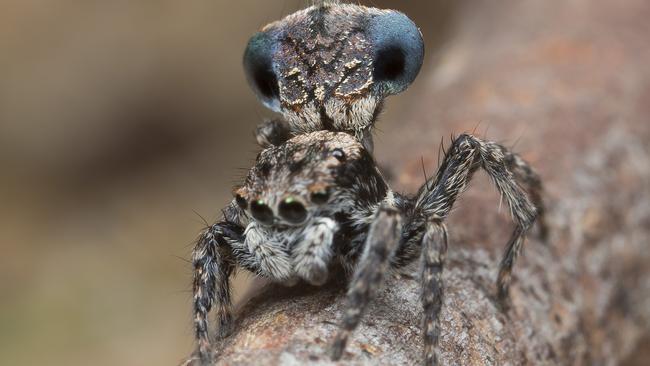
pixel 120 123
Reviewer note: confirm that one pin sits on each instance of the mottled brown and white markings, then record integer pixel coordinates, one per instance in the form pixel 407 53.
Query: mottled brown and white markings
pixel 330 66
pixel 315 201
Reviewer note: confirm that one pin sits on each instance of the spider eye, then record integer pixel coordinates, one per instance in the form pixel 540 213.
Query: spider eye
pixel 261 212
pixel 399 51
pixel 338 154
pixel 241 201
pixel 292 210
pixel 320 197
pixel 258 65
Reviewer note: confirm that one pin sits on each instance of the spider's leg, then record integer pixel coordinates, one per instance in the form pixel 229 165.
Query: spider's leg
pixel 466 154
pixel 381 243
pixel 213 265
pixel 434 250
pixel 530 180
pixel 272 132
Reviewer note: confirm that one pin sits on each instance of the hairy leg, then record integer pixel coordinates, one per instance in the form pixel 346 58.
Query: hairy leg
pixel 530 180
pixel 212 263
pixel 381 243
pixel 466 154
pixel 434 250
pixel 221 248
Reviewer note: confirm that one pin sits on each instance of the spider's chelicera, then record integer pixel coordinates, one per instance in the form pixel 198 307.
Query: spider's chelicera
pixel 318 201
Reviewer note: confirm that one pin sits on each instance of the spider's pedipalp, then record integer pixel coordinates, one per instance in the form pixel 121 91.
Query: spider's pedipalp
pixel 311 257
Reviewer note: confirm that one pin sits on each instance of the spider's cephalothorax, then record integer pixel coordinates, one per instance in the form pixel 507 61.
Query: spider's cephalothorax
pixel 296 198
pixel 330 66
pixel 318 201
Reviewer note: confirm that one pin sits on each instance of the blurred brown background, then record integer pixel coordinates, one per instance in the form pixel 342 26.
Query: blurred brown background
pixel 120 123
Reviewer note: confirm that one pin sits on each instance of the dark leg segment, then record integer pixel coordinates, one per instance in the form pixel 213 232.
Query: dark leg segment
pixel 466 154
pixel 530 180
pixel 434 250
pixel 507 262
pixel 211 287
pixel 383 238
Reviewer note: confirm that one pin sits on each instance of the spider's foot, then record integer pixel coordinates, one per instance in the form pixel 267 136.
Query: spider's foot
pixel 504 304
pixel 339 345
pixel 503 290
pixel 430 358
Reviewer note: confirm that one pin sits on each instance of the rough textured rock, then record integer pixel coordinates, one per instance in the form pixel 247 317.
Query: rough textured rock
pixel 571 82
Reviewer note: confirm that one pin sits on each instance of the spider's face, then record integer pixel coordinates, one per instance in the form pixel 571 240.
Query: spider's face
pixel 330 66
pixel 309 175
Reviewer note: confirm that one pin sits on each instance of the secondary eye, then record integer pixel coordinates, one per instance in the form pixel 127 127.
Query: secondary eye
pixel 399 51
pixel 292 210
pixel 319 197
pixel 258 65
pixel 241 201
pixel 338 154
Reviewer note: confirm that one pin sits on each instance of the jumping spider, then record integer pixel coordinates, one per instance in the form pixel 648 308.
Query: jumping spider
pixel 318 200
pixel 330 67
pixel 315 199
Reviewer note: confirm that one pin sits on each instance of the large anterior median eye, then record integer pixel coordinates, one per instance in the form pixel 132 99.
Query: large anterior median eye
pixel 292 210
pixel 261 212
pixel 399 51
pixel 258 65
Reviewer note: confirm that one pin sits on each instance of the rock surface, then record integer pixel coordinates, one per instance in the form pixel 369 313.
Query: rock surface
pixel 570 81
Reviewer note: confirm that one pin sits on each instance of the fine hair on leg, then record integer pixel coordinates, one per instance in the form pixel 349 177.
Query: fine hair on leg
pixel 466 154
pixel 434 250
pixel 381 243
pixel 211 287
pixel 532 183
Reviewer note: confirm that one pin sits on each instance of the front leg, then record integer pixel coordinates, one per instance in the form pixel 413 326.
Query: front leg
pixel 381 243
pixel 213 265
pixel 313 251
